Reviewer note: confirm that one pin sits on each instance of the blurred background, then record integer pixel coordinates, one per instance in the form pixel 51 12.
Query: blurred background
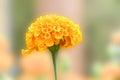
pixel 99 21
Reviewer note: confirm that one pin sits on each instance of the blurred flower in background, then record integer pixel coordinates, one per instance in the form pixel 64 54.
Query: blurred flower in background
pixel 111 70
pixel 6 59
pixel 37 64
pixel 114 47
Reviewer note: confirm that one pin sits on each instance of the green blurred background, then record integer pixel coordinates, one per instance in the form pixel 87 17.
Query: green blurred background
pixel 101 17
pixel 22 16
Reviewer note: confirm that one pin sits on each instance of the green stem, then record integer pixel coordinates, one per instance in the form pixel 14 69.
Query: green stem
pixel 54 58
pixel 54 52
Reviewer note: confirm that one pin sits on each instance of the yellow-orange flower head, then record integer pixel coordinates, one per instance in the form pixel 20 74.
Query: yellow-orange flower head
pixel 51 30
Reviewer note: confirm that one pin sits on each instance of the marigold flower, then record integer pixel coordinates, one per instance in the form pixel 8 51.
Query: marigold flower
pixel 51 30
